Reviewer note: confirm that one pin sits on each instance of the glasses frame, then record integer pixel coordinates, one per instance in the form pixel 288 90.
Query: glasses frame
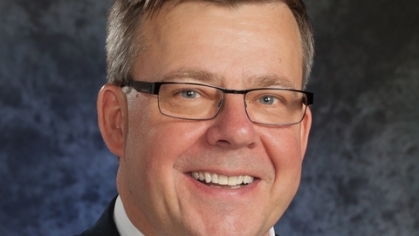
pixel 154 88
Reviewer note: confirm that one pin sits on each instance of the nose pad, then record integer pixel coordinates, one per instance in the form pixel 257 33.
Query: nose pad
pixel 219 106
pixel 220 103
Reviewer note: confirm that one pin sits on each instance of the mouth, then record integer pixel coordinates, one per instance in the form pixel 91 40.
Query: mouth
pixel 222 181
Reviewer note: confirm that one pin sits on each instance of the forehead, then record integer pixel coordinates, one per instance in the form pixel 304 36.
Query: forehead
pixel 249 40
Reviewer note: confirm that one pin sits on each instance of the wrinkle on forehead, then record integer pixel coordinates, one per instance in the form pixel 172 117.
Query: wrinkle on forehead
pixel 206 77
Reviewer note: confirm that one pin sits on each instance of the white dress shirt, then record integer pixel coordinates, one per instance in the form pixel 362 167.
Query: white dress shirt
pixel 123 223
pixel 125 226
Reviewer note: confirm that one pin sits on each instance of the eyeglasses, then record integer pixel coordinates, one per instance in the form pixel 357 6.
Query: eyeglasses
pixel 192 101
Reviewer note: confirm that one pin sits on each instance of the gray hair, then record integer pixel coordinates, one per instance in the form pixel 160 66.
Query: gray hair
pixel 126 16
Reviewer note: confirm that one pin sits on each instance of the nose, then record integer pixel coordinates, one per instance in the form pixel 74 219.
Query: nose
pixel 232 128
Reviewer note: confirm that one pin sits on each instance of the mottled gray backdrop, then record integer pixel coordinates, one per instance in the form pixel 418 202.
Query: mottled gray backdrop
pixel 361 172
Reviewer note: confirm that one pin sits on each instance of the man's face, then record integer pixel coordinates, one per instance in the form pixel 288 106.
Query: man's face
pixel 251 46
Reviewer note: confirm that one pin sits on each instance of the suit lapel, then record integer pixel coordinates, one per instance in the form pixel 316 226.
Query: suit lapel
pixel 105 226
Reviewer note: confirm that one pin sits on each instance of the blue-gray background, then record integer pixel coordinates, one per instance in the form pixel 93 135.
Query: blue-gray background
pixel 361 172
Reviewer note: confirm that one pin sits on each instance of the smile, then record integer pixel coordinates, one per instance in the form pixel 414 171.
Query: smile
pixel 217 180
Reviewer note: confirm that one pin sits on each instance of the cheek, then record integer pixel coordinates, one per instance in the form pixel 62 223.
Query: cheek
pixel 283 146
pixel 154 145
pixel 164 140
pixel 157 141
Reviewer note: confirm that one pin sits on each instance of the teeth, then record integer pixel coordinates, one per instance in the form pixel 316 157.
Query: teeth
pixel 232 180
pixel 201 176
pixel 240 179
pixel 222 179
pixel 207 177
pixel 214 178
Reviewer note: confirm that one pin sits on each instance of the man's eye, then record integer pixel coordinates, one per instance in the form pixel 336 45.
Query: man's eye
pixel 189 94
pixel 267 100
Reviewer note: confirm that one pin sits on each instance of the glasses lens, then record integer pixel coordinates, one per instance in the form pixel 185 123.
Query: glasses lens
pixel 189 101
pixel 275 107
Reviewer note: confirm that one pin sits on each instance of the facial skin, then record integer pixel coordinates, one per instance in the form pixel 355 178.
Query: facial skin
pixel 253 45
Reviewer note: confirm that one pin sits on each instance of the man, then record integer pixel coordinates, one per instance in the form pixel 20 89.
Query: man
pixel 204 110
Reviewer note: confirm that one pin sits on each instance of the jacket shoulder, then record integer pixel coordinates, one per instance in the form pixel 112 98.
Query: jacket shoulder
pixel 105 226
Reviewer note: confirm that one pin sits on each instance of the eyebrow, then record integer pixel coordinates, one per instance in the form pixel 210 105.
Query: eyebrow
pixel 202 76
pixel 191 76
pixel 270 81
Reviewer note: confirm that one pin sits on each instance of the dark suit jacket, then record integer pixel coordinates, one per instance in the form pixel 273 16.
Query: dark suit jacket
pixel 105 226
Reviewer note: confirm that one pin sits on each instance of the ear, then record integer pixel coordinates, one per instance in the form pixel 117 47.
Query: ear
pixel 305 130
pixel 111 108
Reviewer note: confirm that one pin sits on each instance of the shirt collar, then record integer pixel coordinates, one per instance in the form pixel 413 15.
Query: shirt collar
pixel 123 223
pixel 125 226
